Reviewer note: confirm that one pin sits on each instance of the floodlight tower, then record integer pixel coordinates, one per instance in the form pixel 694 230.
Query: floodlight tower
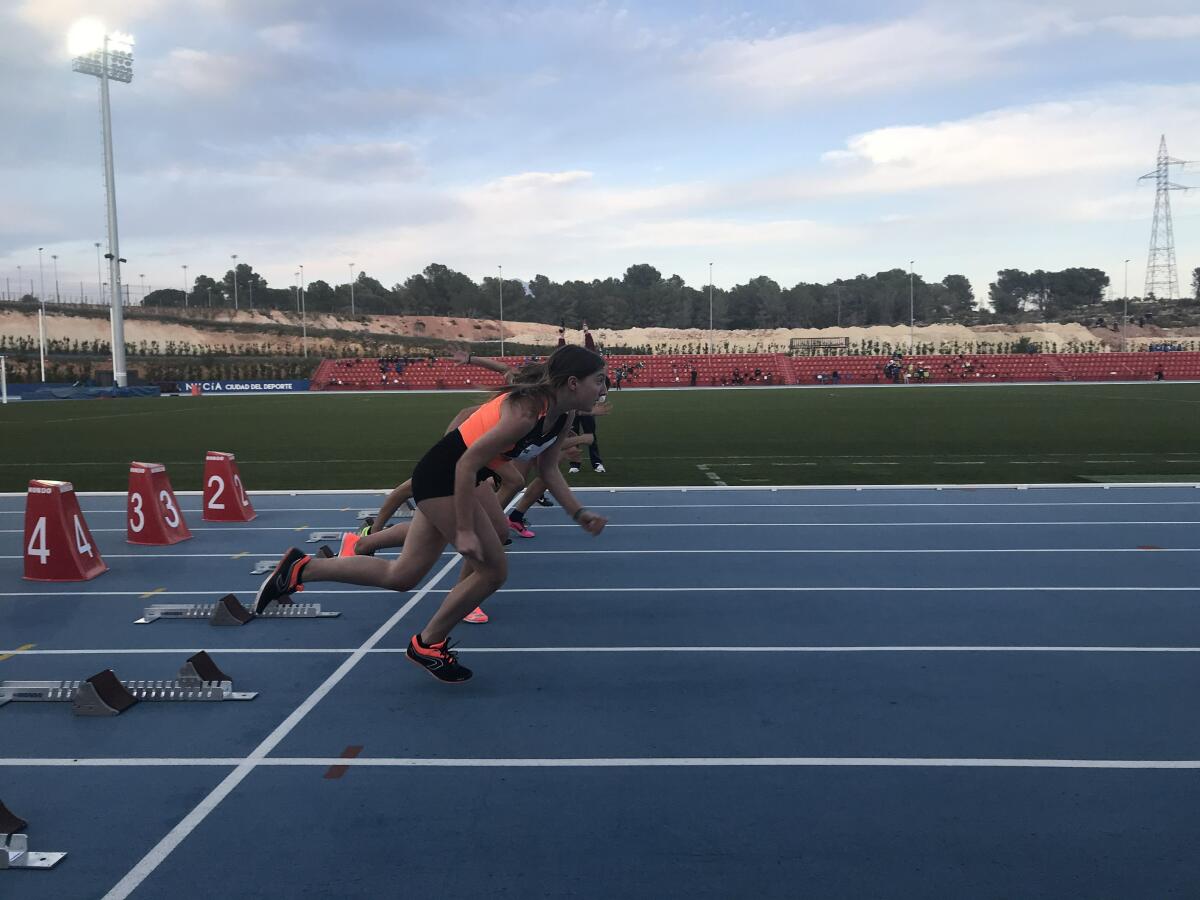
pixel 108 57
pixel 1162 279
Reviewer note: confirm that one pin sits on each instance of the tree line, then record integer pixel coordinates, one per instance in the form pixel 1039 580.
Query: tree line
pixel 643 297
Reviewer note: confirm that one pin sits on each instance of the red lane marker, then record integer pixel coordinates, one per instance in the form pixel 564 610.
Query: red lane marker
pixel 338 771
pixel 1148 547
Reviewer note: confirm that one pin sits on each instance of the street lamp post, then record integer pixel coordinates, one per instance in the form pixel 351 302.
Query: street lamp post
pixel 303 316
pixel 710 311
pixel 142 280
pixel 20 280
pixel 57 296
pixel 352 289
pixel 109 57
pixel 42 313
pixel 1125 307
pixel 99 276
pixel 911 308
pixel 233 256
pixel 185 286
pixel 501 268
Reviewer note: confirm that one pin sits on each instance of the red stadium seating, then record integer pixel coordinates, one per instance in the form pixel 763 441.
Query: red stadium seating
pixel 398 373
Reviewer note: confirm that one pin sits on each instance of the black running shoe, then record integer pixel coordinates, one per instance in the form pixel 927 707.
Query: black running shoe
pixel 284 581
pixel 439 660
pixel 544 501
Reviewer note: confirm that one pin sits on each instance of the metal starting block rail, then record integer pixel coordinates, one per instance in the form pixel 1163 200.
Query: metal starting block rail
pixel 264 566
pixel 230 611
pixel 316 536
pixel 106 695
pixel 15 854
pixel 14 847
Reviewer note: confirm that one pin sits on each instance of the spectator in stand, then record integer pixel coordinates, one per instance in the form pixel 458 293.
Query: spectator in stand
pixel 693 376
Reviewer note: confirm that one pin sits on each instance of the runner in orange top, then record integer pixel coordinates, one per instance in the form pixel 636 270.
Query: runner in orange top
pixel 524 422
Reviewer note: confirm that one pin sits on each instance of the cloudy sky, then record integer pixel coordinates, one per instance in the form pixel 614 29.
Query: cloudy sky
pixel 799 140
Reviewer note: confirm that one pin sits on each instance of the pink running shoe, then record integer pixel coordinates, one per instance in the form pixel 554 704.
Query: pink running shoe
pixel 476 616
pixel 519 526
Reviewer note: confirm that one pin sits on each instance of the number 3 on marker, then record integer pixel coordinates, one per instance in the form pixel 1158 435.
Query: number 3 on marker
pixel 173 519
pixel 138 521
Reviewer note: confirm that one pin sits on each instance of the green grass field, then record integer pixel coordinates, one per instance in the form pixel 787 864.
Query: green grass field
pixel 884 435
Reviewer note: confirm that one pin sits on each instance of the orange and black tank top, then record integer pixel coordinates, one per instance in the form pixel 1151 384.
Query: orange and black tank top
pixel 532 445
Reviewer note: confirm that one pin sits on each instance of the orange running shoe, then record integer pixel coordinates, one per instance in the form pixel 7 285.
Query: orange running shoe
pixel 476 616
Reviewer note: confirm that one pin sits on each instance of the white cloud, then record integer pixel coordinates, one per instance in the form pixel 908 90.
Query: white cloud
pixel 200 72
pixel 286 37
pixel 844 60
pixel 705 232
pixel 1153 28
pixel 1115 132
pixel 361 161
pixel 534 181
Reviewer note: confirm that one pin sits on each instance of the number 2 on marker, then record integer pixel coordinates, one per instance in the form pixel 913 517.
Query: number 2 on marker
pixel 220 483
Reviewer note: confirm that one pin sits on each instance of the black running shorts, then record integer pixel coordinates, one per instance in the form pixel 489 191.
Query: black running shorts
pixel 434 474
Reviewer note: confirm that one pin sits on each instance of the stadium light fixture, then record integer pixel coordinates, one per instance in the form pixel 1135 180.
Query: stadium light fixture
pixel 108 56
pixel 352 265
pixel 501 268
pixel 185 286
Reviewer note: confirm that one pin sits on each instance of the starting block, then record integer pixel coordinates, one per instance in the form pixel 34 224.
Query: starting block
pixel 106 695
pixel 152 512
pixel 229 611
pixel 58 544
pixel 316 536
pixel 225 497
pixel 14 847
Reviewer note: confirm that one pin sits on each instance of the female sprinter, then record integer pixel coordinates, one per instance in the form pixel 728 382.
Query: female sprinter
pixel 524 421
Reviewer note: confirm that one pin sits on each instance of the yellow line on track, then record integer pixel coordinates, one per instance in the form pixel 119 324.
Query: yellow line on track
pixel 240 555
pixel 20 649
pixel 150 594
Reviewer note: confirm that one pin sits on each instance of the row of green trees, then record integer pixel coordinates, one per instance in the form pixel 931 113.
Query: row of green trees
pixel 642 297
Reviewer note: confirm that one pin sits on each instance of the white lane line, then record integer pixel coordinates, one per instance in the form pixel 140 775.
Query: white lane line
pixel 617 763
pixel 712 524
pixel 727 551
pixel 188 824
pixel 712 476
pixel 891 524
pixel 121 511
pixel 882 589
pixel 883 648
